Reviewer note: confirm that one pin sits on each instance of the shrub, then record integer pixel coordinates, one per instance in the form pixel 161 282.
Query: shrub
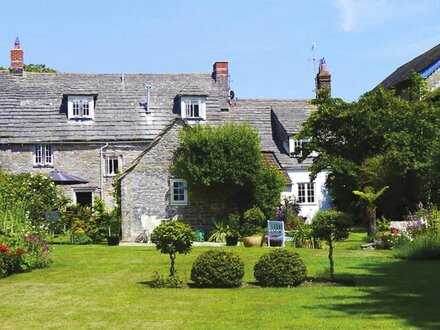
pixel 173 237
pixel 303 236
pixel 424 246
pixel 383 242
pixel 170 282
pixel 280 268
pixel 253 221
pixel 83 240
pixel 217 269
pixel 37 193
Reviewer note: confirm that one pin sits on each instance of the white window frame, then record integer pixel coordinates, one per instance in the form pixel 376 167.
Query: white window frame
pixel 77 106
pixel 185 107
pixel 86 190
pixel 183 201
pixel 306 192
pixel 108 160
pixel 296 144
pixel 43 155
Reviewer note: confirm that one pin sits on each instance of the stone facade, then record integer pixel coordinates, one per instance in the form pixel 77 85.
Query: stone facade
pixel 145 188
pixel 82 160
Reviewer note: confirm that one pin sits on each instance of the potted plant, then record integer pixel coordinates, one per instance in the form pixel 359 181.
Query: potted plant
pixel 234 229
pixel 225 231
pixel 219 233
pixel 252 227
pixel 114 228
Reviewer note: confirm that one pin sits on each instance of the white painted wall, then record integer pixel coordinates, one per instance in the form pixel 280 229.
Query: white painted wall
pixel 322 198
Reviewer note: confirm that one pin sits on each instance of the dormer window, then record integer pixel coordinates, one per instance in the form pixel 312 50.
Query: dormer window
pixel 80 107
pixel 293 146
pixel 193 107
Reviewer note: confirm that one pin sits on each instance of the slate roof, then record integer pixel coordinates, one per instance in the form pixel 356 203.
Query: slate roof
pixel 258 114
pixel 32 108
pixel 418 64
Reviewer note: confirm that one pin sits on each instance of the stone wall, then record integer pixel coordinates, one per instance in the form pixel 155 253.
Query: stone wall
pixel 145 190
pixel 82 160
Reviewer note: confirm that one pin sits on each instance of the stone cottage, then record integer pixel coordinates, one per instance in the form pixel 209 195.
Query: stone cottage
pixel 97 125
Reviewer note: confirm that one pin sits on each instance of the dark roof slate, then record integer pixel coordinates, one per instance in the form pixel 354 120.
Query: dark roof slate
pixel 31 106
pixel 418 64
pixel 258 114
pixel 292 114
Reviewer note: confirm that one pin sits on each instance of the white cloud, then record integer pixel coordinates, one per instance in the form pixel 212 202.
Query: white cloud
pixel 357 15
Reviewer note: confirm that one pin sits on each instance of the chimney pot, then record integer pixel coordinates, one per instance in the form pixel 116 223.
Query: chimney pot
pixel 16 59
pixel 323 78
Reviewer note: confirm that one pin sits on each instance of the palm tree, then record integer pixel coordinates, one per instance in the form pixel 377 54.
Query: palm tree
pixel 369 197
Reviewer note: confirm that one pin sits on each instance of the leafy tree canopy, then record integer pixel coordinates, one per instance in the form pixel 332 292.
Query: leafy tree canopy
pixel 224 165
pixel 41 68
pixel 380 140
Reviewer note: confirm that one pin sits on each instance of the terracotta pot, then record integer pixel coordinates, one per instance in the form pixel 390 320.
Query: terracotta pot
pixel 252 241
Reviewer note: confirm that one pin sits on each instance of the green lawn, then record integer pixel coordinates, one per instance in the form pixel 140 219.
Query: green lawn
pixel 104 287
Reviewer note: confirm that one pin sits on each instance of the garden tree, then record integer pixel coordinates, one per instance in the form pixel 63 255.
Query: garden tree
pixel 369 198
pixel 395 138
pixel 331 226
pixel 40 68
pixel 173 237
pixel 223 165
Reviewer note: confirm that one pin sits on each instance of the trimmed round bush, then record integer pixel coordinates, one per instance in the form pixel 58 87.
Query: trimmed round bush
pixel 280 268
pixel 217 269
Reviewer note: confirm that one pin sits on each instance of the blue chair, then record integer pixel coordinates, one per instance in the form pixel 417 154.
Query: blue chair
pixel 275 232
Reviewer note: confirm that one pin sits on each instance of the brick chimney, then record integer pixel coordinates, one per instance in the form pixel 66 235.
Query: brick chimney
pixel 220 73
pixel 220 69
pixel 323 78
pixel 16 59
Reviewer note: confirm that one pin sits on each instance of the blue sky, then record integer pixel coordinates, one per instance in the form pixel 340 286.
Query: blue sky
pixel 267 42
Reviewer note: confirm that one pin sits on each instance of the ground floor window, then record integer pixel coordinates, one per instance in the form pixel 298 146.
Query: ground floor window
pixel 178 192
pixel 306 192
pixel 84 197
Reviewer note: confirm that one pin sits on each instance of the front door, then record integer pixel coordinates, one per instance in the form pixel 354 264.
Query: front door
pixel 84 198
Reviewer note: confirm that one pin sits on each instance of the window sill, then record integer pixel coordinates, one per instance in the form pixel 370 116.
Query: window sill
pixel 81 119
pixel 179 204
pixel 43 166
pixel 308 204
pixel 195 118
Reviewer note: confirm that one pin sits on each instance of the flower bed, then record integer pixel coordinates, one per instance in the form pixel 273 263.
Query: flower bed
pixel 22 254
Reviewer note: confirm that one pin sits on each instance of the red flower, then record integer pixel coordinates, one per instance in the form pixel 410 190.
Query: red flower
pixel 20 251
pixel 4 248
